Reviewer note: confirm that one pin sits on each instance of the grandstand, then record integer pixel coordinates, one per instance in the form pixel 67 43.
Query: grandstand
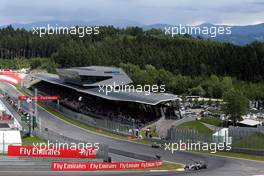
pixel 79 89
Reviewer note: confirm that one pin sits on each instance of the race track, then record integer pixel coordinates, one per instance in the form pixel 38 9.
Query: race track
pixel 217 166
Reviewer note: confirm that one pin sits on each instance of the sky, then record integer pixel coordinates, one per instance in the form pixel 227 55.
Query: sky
pixel 230 12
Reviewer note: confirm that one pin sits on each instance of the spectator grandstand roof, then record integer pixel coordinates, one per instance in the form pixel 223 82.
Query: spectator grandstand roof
pixel 139 97
pixel 250 122
pixel 94 76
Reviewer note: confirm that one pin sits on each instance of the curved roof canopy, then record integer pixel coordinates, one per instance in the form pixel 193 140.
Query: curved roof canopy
pixel 96 90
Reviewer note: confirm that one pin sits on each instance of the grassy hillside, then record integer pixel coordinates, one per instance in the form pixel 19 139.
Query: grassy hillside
pixel 197 125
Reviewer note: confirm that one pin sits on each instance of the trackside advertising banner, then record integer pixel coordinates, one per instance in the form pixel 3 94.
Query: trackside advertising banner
pixel 95 166
pixel 40 98
pixel 33 151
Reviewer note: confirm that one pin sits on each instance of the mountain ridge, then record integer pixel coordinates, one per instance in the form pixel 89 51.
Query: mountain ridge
pixel 241 35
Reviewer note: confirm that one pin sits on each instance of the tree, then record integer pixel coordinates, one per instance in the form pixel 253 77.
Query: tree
pixel 50 66
pixel 227 83
pixel 197 91
pixel 235 105
pixel 213 87
pixel 209 103
pixel 21 63
pixel 164 77
pixel 152 74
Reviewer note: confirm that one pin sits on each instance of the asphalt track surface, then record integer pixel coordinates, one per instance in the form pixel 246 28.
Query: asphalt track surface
pixel 217 166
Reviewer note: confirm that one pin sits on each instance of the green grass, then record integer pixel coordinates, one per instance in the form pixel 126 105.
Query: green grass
pixel 212 121
pixel 153 130
pixel 196 125
pixel 253 141
pixel 28 141
pixel 18 86
pixel 169 166
pixel 165 166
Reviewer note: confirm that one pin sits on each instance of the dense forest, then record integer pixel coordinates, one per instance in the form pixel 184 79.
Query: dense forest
pixel 185 64
pixel 182 54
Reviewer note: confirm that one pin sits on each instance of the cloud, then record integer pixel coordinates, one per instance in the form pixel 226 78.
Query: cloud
pixel 258 2
pixel 147 11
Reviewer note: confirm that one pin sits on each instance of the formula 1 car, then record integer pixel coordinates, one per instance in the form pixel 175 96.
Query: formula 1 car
pixel 196 166
pixel 156 145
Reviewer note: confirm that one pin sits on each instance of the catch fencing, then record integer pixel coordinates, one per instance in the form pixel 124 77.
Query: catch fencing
pixel 242 139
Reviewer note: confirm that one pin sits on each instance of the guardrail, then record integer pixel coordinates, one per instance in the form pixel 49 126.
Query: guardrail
pixel 247 151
